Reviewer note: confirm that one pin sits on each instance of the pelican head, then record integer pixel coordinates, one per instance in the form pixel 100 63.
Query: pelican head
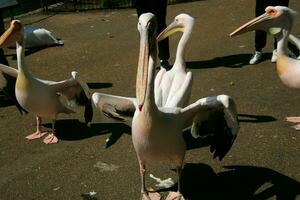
pixel 274 20
pixel 12 34
pixel 182 23
pixel 147 28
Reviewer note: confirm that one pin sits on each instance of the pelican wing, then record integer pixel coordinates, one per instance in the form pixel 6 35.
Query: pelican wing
pixel 9 70
pixel 76 91
pixel 157 87
pixel 181 96
pixel 215 116
pixel 117 107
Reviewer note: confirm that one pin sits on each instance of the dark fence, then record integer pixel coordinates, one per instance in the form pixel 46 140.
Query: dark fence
pixel 71 5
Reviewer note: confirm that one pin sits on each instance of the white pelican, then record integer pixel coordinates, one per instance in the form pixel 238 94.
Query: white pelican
pixel 39 37
pixel 278 21
pixel 157 131
pixel 41 97
pixel 173 87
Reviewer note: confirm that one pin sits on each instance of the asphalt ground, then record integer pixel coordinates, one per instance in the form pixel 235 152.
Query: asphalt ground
pixel 103 47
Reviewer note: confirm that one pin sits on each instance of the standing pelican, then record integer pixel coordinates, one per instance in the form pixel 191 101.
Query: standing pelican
pixel 157 131
pixel 278 21
pixel 41 97
pixel 173 87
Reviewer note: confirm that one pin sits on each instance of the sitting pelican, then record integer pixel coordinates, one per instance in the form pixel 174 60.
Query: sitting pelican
pixel 278 21
pixel 173 87
pixel 41 97
pixel 157 131
pixel 39 37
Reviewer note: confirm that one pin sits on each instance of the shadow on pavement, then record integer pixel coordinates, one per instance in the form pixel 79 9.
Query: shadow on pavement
pixel 233 61
pixel 116 130
pixel 96 85
pixel 71 129
pixel 30 51
pixel 199 181
pixel 246 118
pixel 5 102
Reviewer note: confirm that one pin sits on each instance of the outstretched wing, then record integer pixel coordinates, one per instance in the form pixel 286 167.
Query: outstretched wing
pixel 215 116
pixel 76 91
pixel 117 107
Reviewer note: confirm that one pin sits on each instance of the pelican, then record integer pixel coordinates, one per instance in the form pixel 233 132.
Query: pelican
pixel 157 131
pixel 173 87
pixel 39 37
pixel 41 97
pixel 278 21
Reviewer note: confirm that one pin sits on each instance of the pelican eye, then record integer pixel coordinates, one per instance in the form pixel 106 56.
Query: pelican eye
pixel 272 12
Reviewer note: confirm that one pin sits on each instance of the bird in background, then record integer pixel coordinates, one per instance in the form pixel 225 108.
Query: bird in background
pixel 42 97
pixel 278 21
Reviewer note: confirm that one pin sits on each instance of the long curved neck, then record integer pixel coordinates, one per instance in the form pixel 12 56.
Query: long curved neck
pixel 283 36
pixel 180 52
pixel 21 58
pixel 282 43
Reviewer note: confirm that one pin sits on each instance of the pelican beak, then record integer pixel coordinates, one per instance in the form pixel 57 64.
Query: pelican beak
pixel 146 42
pixel 12 34
pixel 262 22
pixel 170 30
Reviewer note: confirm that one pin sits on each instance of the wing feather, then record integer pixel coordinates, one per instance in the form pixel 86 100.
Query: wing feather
pixel 117 107
pixel 216 117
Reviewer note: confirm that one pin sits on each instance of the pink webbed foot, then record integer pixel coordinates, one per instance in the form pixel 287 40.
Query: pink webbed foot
pixel 50 139
pixel 296 127
pixel 36 135
pixel 174 196
pixel 293 119
pixel 151 196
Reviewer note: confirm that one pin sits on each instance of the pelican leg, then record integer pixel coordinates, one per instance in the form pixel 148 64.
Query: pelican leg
pixel 38 133
pixel 144 192
pixel 176 195
pixel 51 138
pixel 296 127
pixel 179 195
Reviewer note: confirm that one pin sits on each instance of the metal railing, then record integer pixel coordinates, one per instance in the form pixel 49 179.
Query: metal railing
pixel 74 5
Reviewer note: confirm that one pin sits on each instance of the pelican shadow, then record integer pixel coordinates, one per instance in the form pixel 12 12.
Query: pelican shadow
pixel 232 61
pixel 199 181
pixel 4 101
pixel 29 51
pixel 116 130
pixel 71 129
pixel 95 85
pixel 247 118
